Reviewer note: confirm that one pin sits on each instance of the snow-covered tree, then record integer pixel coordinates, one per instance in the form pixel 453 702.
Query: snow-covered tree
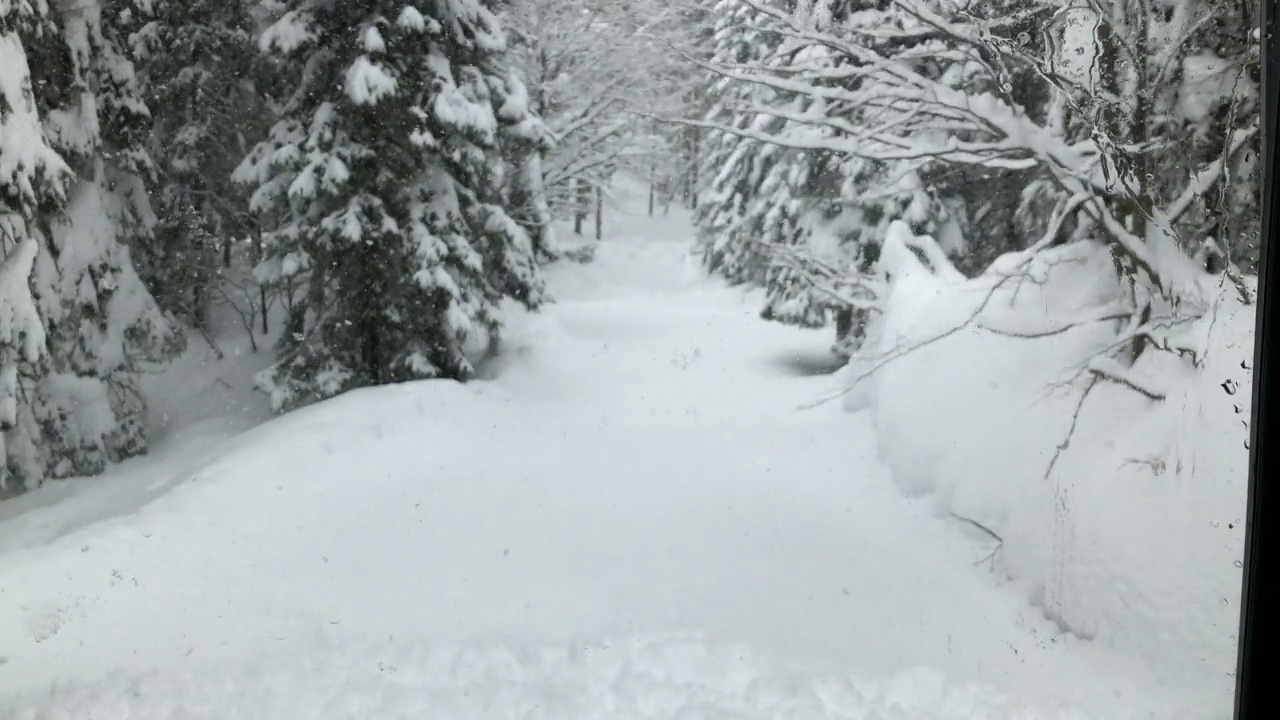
pixel 594 71
pixel 22 338
pixel 200 72
pixel 775 187
pixel 72 177
pixel 390 198
pixel 558 48
pixel 739 162
pixel 1005 126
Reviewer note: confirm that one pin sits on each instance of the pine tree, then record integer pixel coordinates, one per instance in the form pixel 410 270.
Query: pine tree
pixel 199 70
pixel 75 199
pixel 393 202
pixel 727 238
pixel 781 211
pixel 22 338
pixel 529 203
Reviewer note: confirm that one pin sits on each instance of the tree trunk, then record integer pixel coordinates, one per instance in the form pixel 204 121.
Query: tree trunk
pixel 600 213
pixel 652 179
pixel 692 171
pixel 844 323
pixel 199 306
pixel 581 202
pixel 262 301
pixel 262 288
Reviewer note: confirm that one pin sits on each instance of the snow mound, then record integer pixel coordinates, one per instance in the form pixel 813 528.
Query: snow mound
pixel 663 678
pixel 1117 495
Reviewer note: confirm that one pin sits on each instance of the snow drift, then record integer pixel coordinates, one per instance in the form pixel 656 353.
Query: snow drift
pixel 1116 494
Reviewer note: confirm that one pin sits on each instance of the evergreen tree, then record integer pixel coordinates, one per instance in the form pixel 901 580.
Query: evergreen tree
pixel 393 202
pixel 74 198
pixel 727 236
pixel 200 72
pixel 785 210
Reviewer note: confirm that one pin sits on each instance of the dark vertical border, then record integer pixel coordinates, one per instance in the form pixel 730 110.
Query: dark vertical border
pixel 1257 690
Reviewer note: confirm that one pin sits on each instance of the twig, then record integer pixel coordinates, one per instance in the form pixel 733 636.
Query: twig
pixel 1120 379
pixel 1071 431
pixel 1039 334
pixel 204 333
pixel 895 355
pixel 999 540
pixel 814 272
pixel 247 319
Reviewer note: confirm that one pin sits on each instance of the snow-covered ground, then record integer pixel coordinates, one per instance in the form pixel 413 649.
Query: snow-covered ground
pixel 628 517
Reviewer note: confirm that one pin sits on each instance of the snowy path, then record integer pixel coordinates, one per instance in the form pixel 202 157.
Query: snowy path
pixel 636 467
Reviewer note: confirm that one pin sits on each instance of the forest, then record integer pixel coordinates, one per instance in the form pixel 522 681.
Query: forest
pixel 1048 210
pixel 166 158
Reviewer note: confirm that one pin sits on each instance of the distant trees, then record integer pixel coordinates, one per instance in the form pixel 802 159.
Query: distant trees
pixel 598 73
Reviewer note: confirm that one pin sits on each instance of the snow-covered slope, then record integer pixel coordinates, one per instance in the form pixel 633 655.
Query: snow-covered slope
pixel 526 544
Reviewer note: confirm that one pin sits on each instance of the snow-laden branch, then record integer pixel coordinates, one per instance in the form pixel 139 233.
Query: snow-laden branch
pixel 1202 180
pixel 864 291
pixel 889 112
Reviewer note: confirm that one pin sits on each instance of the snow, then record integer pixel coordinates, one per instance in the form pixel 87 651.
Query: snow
pixel 196 406
pixel 368 82
pixel 411 19
pixel 290 32
pixel 452 106
pixel 22 335
pixel 658 677
pixel 372 40
pixel 26 157
pixel 20 326
pixel 1128 534
pixel 1208 81
pixel 626 515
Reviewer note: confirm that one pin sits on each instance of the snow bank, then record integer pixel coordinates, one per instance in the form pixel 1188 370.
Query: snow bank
pixel 1123 520
pixel 663 677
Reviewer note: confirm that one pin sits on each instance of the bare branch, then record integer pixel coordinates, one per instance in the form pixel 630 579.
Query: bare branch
pixel 1111 371
pixel 898 353
pixel 1071 430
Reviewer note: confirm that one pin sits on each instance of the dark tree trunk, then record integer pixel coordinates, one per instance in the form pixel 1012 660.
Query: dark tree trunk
pixel 581 202
pixel 262 301
pixel 844 323
pixel 652 179
pixel 262 289
pixel 600 213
